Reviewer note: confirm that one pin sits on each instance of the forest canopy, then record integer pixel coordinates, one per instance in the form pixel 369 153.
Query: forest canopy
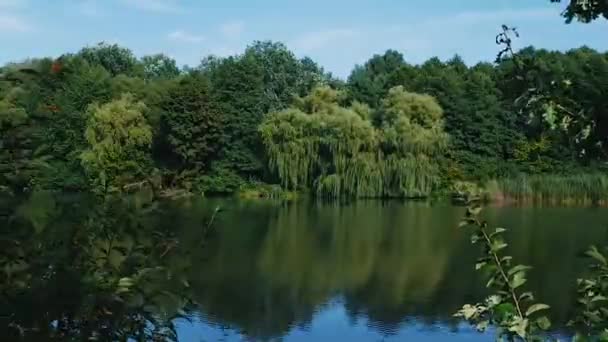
pixel 102 118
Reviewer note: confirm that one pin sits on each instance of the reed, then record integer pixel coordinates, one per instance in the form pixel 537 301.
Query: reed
pixel 564 189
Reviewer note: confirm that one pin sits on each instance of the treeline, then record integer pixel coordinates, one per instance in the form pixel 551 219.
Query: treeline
pixel 102 119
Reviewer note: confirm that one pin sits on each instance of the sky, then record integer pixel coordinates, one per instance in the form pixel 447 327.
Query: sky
pixel 338 34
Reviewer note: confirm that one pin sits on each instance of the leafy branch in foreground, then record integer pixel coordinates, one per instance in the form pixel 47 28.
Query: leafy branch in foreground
pixel 511 310
pixel 592 310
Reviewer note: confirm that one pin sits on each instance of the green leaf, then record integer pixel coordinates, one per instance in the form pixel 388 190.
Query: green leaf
pixel 474 211
pixel 497 245
pixel 543 323
pixel 593 316
pixel 517 269
pixel 468 311
pixel 498 231
pixel 518 280
pixel 535 308
pixel 479 265
pixel 504 309
pixel 482 326
pixel 116 258
pixel 526 296
pixel 595 254
pixel 520 328
pixel 125 282
pixel 494 300
pixel 598 298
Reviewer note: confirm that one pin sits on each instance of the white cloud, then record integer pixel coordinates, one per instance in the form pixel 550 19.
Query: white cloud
pixel 185 37
pixel 10 23
pixel 316 40
pixel 232 29
pixel 163 6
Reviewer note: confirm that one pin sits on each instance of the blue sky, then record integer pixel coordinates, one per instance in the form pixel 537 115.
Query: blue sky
pixel 336 33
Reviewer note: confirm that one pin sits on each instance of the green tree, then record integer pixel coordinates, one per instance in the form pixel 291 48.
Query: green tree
pixel 585 10
pixel 413 138
pixel 370 82
pixel 115 59
pixel 65 106
pixel 339 152
pixel 16 155
pixel 119 141
pixel 191 128
pixel 266 77
pixel 159 66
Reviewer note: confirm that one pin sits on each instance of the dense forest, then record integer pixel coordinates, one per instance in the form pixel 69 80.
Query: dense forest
pixel 533 122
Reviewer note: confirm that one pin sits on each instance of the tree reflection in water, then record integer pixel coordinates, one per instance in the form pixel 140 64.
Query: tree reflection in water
pixel 77 269
pixel 74 268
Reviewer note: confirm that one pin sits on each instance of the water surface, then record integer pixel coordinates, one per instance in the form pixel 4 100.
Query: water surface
pixel 372 270
pixel 268 271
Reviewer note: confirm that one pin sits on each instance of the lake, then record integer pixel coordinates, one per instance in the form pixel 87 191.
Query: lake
pixel 361 271
pixel 372 270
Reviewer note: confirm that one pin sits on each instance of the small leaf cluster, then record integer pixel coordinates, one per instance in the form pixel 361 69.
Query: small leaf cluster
pixel 592 301
pixel 513 311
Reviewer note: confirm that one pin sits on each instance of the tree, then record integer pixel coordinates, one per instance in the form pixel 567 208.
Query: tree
pixel 191 125
pixel 266 77
pixel 338 151
pixel 16 154
pixel 585 10
pixel 119 140
pixel 283 75
pixel 159 66
pixel 115 59
pixel 370 83
pixel 561 99
pixel 65 108
pixel 413 138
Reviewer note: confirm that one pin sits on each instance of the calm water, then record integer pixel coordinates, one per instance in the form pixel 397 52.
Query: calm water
pixel 365 271
pixel 371 271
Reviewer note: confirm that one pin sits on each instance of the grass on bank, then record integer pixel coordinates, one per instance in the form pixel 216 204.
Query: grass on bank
pixel 265 191
pixel 576 188
pixel 587 188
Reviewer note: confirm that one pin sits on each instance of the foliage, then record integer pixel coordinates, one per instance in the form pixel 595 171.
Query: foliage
pixel 340 152
pixel 481 127
pixel 191 125
pixel 21 158
pixel 504 309
pixel 370 82
pixel 113 58
pixel 592 314
pixel 509 308
pixel 119 140
pixel 578 188
pixel 585 10
pixel 257 190
pixel 266 77
pixel 159 66
pixel 115 274
pixel 533 112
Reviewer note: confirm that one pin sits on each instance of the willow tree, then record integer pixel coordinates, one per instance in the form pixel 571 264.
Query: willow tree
pixel 337 151
pixel 119 140
pixel 413 139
